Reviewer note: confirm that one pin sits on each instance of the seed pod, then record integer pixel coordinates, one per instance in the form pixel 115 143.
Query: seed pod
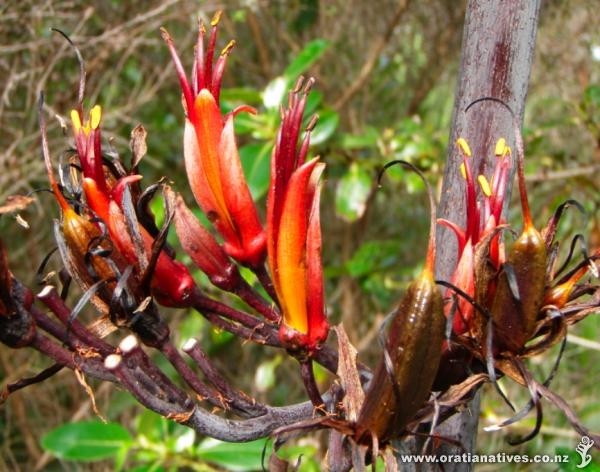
pixel 519 294
pixel 514 314
pixel 415 347
pixel 403 379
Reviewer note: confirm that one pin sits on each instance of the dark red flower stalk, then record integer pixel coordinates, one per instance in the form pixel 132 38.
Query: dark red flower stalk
pixel 211 156
pixel 293 228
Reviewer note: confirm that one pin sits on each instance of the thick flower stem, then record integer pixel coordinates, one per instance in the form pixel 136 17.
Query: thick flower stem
pixel 189 376
pixel 310 383
pixel 254 300
pixel 236 399
pixel 114 364
pixel 134 355
pixel 60 355
pixel 51 327
pixel 52 300
pixel 265 280
pixel 237 330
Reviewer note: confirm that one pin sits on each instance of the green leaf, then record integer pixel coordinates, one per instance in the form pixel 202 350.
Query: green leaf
pixel 592 94
pixel 307 57
pixel 257 167
pixel 156 467
pixel 352 193
pixel 326 126
pixel 313 100
pixel 87 441
pixel 305 455
pixel 232 456
pixel 360 141
pixel 274 92
pixel 372 256
pixel 151 425
pixel 241 95
pixel 264 379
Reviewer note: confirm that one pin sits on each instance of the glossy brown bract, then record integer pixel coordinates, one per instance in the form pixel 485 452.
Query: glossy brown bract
pixel 414 346
pixel 514 319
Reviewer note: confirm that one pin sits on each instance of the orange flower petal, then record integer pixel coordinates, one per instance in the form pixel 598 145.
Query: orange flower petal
pixel 239 200
pixel 290 266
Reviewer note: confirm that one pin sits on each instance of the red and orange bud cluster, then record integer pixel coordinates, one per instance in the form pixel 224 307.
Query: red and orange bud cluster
pixel 172 283
pixel 481 222
pixel 294 232
pixel 211 156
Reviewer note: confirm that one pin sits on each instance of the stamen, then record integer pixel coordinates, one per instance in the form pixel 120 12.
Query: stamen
pixel 464 146
pixel 312 123
pixel 76 120
pixel 309 85
pixel 185 86
pixel 500 148
pixel 298 85
pixel 95 116
pixel 216 19
pixel 227 49
pixel 463 171
pixel 485 185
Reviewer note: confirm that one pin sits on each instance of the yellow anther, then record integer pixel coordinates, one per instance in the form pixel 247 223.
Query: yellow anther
pixel 95 115
pixel 227 49
pixel 500 147
pixel 508 151
pixel 464 146
pixel 463 171
pixel 216 18
pixel 485 185
pixel 76 120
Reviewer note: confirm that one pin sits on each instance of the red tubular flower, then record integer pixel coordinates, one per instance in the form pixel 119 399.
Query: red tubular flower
pixel 211 156
pixel 294 234
pixel 172 283
pixel 480 222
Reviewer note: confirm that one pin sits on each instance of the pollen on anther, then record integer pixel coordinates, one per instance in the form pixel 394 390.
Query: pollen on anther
pixel 500 147
pixel 227 49
pixel 485 185
pixel 463 171
pixel 216 19
pixel 464 146
pixel 75 120
pixel 95 116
